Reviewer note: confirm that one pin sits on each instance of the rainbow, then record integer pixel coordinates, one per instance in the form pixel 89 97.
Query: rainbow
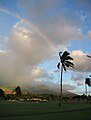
pixel 29 23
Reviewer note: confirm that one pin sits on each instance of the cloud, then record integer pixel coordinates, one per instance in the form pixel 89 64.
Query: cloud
pixel 41 73
pixel 83 18
pixel 84 4
pixel 61 31
pixel 82 63
pixel 58 26
pixel 80 83
pixel 9 13
pixel 38 8
pixel 2 52
pixel 85 7
pixel 27 45
pixel 59 16
pixel 78 78
pixel 82 67
pixel 24 51
pixel 68 87
pixel 89 33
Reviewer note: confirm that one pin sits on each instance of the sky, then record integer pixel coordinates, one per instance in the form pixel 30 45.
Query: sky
pixel 33 32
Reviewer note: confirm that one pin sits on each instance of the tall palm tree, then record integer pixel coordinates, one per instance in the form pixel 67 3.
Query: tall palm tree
pixel 86 88
pixel 87 82
pixel 64 62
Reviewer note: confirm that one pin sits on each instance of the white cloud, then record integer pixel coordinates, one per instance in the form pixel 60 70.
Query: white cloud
pixel 82 63
pixel 2 51
pixel 80 83
pixel 82 67
pixel 40 73
pixel 83 18
pixel 24 51
pixel 78 78
pixel 28 47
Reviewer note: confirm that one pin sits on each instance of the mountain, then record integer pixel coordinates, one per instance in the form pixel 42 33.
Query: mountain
pixel 45 89
pixel 42 89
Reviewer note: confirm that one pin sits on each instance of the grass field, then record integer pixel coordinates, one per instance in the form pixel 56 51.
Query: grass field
pixel 45 111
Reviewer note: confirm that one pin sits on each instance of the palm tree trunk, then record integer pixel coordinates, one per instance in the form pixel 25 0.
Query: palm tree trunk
pixel 61 72
pixel 86 88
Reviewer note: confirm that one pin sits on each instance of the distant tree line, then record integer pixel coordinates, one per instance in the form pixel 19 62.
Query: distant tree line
pixel 49 97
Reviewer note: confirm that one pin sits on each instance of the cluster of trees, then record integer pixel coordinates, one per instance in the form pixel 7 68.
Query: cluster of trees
pixel 19 95
pixel 47 97
pixel 27 97
pixel 17 90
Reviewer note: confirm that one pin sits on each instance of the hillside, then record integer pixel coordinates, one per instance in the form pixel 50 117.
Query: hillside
pixel 45 89
pixel 42 89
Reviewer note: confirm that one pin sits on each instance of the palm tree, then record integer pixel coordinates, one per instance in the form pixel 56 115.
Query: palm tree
pixel 86 88
pixel 87 82
pixel 89 56
pixel 64 62
pixel 17 90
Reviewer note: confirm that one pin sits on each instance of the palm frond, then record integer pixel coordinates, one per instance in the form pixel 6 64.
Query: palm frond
pixel 60 53
pixel 64 67
pixel 89 56
pixel 65 54
pixel 68 58
pixel 89 75
pixel 68 63
pixel 58 65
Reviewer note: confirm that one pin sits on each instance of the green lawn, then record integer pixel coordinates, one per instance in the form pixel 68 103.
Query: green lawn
pixel 45 111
